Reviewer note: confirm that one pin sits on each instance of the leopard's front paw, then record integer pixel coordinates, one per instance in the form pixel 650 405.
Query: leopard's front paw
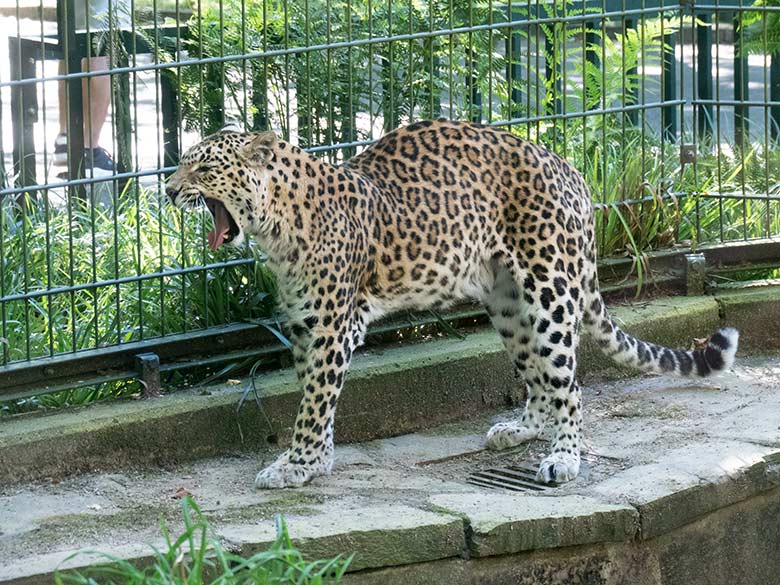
pixel 283 473
pixel 559 468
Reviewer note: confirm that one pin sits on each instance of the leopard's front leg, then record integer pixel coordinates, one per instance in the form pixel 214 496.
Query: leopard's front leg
pixel 322 355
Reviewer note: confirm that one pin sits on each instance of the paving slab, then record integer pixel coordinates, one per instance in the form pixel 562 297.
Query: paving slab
pixel 381 536
pixel 688 483
pixel 46 564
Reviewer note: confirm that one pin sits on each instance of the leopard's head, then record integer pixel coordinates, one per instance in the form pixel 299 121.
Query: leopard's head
pixel 225 172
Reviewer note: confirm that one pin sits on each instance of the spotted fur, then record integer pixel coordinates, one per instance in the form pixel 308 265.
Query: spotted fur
pixel 432 213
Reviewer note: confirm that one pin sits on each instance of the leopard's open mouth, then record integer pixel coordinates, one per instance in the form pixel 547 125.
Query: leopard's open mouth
pixel 225 227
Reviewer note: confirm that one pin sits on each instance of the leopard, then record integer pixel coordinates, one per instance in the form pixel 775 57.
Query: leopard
pixel 430 214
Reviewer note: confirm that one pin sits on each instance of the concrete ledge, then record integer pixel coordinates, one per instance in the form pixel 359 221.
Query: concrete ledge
pixel 395 392
pixel 398 391
pixel 735 545
pixel 502 524
pixel 691 482
pixel 380 536
pixel 755 312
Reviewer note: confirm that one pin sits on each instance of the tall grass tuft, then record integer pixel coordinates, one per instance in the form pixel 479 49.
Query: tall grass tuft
pixel 197 557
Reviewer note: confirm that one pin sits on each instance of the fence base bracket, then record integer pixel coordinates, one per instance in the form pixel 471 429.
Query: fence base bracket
pixel 148 366
pixel 695 274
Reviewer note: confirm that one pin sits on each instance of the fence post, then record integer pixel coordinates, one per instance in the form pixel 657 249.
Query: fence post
pixel 148 366
pixel 774 95
pixel 741 112
pixel 695 274
pixel 704 74
pixel 669 82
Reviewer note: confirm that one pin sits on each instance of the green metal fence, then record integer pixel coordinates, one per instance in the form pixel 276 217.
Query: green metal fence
pixel 670 109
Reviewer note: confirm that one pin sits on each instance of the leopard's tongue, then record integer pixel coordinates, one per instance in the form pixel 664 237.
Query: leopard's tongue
pixel 221 226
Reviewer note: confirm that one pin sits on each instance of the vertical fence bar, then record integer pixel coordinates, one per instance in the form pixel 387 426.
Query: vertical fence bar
pixel 632 73
pixel 741 114
pixel 72 50
pixel 472 58
pixel 669 83
pixel 514 73
pixel 434 48
pixel 774 94
pixel 704 73
pixel 349 123
pixel 718 112
pixel 552 73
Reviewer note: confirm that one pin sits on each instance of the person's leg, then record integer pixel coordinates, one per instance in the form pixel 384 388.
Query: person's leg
pixel 61 142
pixel 96 97
pixel 98 91
pixel 63 106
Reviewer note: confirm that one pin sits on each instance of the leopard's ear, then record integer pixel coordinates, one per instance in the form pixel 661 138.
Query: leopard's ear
pixel 260 147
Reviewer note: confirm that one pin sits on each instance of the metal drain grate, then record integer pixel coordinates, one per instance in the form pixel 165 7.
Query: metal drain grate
pixel 517 478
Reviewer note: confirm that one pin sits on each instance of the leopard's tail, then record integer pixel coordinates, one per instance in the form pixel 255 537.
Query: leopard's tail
pixel 711 357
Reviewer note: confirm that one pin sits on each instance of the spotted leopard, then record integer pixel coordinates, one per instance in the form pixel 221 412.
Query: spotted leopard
pixel 431 213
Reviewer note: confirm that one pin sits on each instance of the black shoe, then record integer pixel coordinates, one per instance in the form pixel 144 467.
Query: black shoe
pixel 98 163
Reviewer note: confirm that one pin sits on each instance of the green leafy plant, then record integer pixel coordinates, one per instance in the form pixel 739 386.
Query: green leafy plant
pixel 197 557
pixel 762 29
pixel 322 91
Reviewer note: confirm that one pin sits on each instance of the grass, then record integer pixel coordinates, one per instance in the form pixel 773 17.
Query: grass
pixel 197 556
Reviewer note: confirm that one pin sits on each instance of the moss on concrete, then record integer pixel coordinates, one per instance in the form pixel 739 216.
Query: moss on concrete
pixel 290 503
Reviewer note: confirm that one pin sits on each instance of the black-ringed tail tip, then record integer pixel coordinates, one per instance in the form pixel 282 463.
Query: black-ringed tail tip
pixel 719 353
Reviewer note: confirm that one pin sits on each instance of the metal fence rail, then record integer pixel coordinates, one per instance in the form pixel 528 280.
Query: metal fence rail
pixel 670 109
